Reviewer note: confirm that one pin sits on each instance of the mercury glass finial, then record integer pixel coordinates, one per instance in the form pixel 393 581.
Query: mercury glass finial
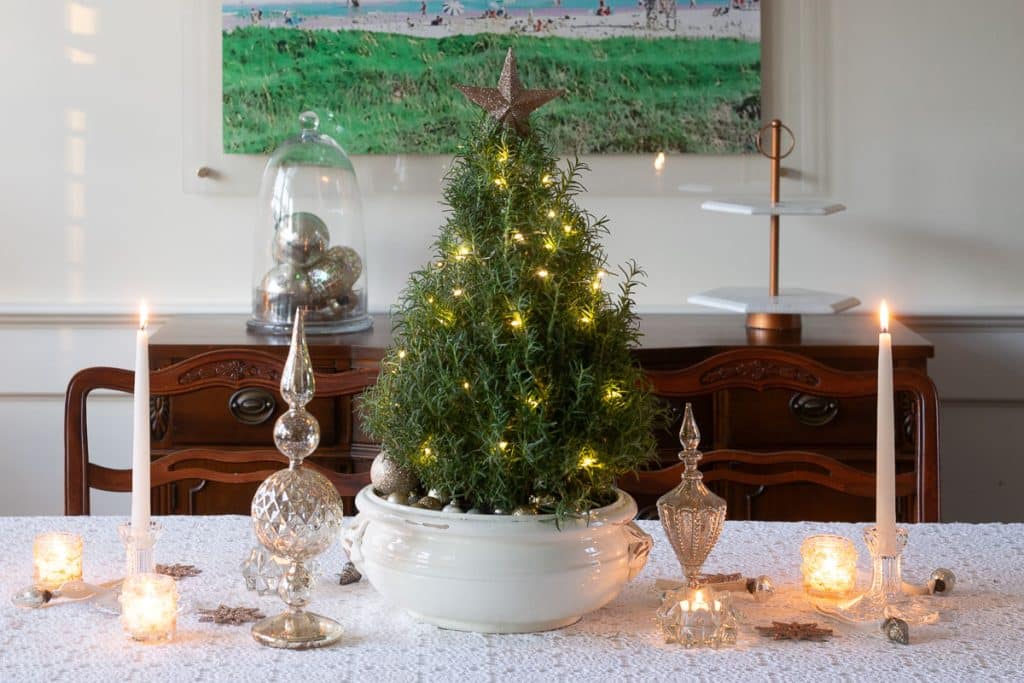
pixel 297 382
pixel 689 434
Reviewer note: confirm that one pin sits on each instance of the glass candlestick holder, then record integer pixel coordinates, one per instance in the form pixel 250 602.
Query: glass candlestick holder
pixel 138 545
pixel 885 598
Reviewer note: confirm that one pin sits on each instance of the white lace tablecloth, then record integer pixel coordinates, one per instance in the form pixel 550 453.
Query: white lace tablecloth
pixel 980 635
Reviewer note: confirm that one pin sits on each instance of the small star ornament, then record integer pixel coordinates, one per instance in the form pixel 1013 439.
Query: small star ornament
pixel 781 630
pixel 510 103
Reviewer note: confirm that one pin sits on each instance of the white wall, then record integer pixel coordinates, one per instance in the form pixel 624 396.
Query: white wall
pixel 924 102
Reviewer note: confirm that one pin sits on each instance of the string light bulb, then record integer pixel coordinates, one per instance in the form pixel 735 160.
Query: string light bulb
pixel 465 384
pixel 549 243
pixel 551 213
pixel 542 273
pixel 546 180
pixel 612 393
pixel 502 445
pixel 567 229
pixel 401 353
pixel 518 236
pixel 500 182
pixel 516 321
pixel 588 459
pixel 457 292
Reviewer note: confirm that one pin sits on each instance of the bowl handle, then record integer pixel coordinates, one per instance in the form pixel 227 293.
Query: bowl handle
pixel 352 540
pixel 640 544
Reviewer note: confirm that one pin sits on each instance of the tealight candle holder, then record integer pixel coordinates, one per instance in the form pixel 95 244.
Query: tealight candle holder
pixel 149 607
pixel 56 559
pixel 697 618
pixel 829 566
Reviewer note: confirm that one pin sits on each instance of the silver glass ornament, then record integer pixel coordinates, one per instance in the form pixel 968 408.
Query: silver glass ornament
pixel 428 503
pixel 941 582
pixel 300 239
pixel 388 477
pixel 296 512
pixel 326 283
pixel 453 506
pixel 283 289
pixel 692 515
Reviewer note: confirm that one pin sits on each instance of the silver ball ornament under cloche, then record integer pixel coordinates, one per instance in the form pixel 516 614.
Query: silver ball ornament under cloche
pixel 300 239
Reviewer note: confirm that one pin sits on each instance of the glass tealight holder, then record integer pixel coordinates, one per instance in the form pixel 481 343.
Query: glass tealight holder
pixel 149 607
pixel 829 566
pixel 698 618
pixel 56 559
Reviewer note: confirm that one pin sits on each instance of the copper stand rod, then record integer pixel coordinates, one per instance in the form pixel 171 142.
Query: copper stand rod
pixel 773 249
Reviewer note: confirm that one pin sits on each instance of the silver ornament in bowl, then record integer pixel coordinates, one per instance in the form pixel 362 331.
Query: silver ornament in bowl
pixel 300 239
pixel 388 477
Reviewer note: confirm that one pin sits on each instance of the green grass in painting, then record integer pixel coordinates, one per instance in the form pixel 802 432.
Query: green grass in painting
pixel 393 93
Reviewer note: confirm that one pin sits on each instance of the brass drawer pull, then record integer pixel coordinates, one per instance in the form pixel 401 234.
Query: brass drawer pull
pixel 813 411
pixel 252 406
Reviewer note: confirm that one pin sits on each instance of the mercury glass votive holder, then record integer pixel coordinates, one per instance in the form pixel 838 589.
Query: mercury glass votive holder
pixel 829 566
pixel 149 607
pixel 56 559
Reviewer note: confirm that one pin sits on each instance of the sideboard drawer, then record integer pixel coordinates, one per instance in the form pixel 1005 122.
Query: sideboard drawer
pixel 211 418
pixel 778 419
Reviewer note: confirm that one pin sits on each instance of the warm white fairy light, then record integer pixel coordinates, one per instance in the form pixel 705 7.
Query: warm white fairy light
pixel 430 299
pixel 567 229
pixel 532 401
pixel 465 385
pixel 518 236
pixel 462 252
pixel 542 273
pixel 549 244
pixel 401 353
pixel 612 393
pixel 502 445
pixel 588 458
pixel 516 321
pixel 457 292
pixel 551 213
pixel 546 180
pixel 586 318
pixel 500 182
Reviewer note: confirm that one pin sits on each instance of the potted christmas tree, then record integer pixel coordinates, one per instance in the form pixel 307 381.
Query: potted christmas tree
pixel 511 397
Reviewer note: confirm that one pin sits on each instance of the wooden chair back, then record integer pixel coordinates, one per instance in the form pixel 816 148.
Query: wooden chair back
pixel 227 368
pixel 762 369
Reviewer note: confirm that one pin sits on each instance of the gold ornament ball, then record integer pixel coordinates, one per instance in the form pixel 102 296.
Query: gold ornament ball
pixel 347 263
pixel 388 477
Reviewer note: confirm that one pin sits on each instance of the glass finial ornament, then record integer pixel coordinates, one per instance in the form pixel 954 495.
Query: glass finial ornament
pixel 690 513
pixel 296 512
pixel 310 246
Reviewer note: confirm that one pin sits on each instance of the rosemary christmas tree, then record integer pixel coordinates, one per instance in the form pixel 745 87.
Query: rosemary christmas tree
pixel 511 381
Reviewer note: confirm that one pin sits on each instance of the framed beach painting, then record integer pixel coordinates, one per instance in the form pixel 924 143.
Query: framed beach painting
pixel 249 69
pixel 641 76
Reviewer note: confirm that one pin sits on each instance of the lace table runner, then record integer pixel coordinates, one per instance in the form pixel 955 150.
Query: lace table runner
pixel 980 636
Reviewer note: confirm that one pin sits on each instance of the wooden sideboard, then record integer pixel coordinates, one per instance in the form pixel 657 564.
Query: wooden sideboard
pixel 769 420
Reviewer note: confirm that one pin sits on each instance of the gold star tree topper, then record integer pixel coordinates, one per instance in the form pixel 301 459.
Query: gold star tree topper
pixel 510 103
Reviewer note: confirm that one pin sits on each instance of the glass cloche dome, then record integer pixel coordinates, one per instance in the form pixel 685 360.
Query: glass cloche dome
pixel 310 246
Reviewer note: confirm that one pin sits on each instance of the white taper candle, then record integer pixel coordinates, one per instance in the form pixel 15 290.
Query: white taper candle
pixel 140 440
pixel 885 466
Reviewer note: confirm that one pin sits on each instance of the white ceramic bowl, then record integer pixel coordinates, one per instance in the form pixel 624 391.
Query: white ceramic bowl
pixel 495 574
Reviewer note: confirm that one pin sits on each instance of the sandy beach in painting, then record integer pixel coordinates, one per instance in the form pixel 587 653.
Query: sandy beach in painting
pixel 625 20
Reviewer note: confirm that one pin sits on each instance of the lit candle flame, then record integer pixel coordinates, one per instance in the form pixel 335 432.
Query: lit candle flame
pixel 884 316
pixel 143 315
pixel 659 162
